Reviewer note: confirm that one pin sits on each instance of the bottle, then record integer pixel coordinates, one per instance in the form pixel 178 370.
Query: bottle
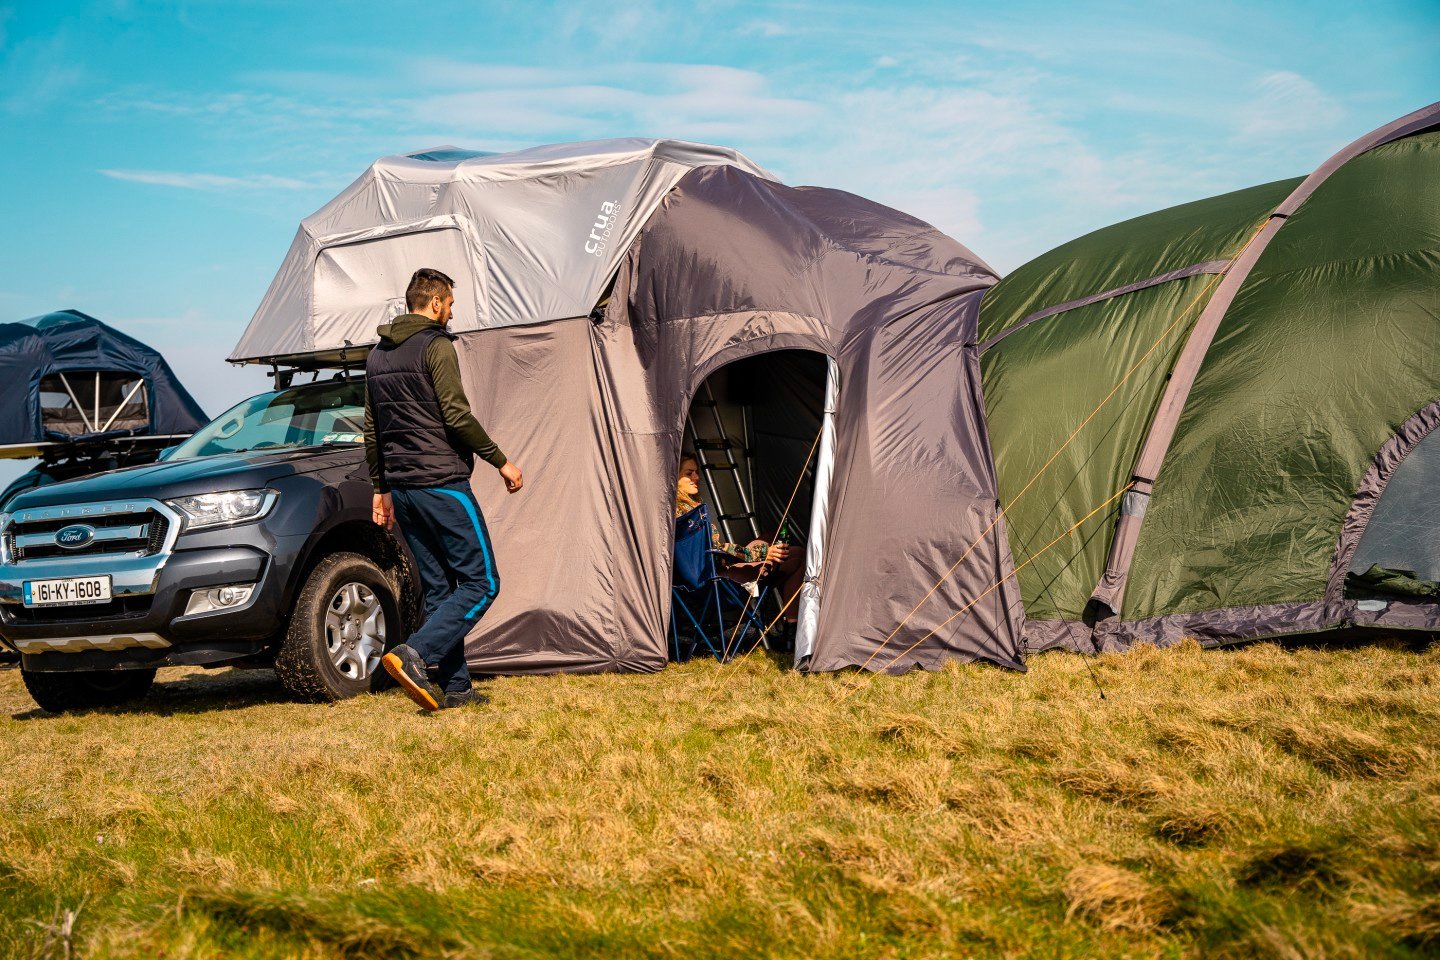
pixel 783 537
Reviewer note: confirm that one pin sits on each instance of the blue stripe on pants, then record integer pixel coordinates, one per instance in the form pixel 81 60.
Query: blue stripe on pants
pixel 481 535
pixel 446 534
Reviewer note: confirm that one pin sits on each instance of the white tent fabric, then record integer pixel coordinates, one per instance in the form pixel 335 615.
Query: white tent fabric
pixel 529 236
pixel 808 618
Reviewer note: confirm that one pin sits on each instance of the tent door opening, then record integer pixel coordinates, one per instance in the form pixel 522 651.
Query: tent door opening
pixel 752 425
pixel 1398 556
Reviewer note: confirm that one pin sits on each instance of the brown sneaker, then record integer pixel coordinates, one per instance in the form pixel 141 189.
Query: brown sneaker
pixel 408 669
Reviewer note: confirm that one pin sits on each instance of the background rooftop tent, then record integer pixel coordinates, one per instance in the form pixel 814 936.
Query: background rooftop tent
pixel 730 265
pixel 120 387
pixel 1270 357
pixel 529 236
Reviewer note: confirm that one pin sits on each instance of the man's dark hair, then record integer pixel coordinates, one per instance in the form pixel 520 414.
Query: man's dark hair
pixel 426 283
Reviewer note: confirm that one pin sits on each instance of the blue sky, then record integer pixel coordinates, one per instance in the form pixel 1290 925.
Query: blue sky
pixel 157 157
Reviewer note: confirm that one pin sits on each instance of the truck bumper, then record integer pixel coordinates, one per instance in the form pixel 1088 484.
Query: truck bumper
pixel 151 629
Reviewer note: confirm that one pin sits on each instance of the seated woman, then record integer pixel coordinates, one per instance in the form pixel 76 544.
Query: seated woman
pixel 781 566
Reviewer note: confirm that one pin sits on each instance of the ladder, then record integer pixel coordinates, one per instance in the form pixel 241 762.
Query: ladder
pixel 715 455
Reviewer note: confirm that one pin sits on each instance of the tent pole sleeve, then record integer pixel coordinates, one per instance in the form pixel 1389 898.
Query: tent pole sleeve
pixel 1208 266
pixel 1110 592
pixel 808 617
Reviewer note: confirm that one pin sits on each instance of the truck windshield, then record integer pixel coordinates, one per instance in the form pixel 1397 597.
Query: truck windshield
pixel 308 416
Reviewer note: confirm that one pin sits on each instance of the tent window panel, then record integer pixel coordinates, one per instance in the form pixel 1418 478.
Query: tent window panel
pixel 77 403
pixel 360 285
pixel 1399 552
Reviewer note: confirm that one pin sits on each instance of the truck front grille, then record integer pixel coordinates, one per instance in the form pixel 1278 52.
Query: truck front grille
pixel 137 534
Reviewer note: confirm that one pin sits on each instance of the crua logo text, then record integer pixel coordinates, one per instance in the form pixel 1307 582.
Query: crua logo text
pixel 605 223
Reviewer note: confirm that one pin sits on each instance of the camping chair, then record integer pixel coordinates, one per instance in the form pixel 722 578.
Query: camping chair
pixel 701 595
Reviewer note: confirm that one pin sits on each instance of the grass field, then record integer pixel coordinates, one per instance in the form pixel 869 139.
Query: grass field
pixel 1253 802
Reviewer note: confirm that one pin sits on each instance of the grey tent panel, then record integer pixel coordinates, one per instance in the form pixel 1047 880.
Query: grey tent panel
pixel 730 265
pixel 1401 531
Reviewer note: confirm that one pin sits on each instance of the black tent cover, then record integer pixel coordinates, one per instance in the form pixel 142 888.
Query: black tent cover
pixel 66 341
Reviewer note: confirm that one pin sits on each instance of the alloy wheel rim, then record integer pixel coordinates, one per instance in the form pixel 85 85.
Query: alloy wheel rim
pixel 355 630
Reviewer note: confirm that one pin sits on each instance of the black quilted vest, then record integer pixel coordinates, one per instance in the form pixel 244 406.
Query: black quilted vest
pixel 415 444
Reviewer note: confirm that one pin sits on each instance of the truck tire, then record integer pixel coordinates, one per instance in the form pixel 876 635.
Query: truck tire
pixel 86 689
pixel 344 620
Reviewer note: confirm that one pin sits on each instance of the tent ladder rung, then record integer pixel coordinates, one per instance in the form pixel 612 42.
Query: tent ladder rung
pixel 719 444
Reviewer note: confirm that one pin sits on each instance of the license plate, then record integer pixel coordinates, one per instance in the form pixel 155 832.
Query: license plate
pixel 70 590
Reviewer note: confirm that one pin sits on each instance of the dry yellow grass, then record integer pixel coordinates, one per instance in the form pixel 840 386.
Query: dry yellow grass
pixel 1249 802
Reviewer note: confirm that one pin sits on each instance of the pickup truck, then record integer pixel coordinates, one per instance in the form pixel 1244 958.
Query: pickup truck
pixel 248 544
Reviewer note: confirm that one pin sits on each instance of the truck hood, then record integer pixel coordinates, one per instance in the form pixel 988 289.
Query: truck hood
pixel 195 475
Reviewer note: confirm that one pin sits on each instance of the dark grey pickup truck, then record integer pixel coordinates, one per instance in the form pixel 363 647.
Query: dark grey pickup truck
pixel 250 543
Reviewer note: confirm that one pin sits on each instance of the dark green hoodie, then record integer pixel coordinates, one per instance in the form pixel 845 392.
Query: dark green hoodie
pixel 444 367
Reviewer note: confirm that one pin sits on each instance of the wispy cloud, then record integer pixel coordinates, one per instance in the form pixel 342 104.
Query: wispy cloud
pixel 765 28
pixel 988 135
pixel 207 181
pixel 693 100
pixel 1287 103
pixel 934 138
pixel 37 71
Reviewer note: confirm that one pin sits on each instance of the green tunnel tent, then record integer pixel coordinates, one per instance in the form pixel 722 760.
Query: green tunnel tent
pixel 1218 421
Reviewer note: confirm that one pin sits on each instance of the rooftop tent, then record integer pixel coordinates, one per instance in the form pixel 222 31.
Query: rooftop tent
pixel 529 236
pixel 1202 407
pixel 67 377
pixel 709 262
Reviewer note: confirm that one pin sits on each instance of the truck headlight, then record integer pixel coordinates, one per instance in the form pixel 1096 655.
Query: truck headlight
pixel 224 509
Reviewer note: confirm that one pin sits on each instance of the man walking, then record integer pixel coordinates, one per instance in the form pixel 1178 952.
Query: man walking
pixel 421 442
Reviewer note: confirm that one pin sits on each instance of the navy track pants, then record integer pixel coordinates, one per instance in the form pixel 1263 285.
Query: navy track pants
pixel 446 533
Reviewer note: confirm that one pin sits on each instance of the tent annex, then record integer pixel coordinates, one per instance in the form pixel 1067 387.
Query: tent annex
pixel 1243 388
pixel 708 262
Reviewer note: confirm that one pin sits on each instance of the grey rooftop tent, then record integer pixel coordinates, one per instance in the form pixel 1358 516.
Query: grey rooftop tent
pixel 528 236
pixel 708 261
pixel 67 379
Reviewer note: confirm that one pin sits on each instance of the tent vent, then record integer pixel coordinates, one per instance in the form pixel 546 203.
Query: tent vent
pixel 450 155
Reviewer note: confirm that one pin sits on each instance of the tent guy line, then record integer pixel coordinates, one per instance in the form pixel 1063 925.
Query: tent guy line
pixel 864 679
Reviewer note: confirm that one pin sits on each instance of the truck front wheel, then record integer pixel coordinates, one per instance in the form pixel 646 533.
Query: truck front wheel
pixel 86 689
pixel 345 620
